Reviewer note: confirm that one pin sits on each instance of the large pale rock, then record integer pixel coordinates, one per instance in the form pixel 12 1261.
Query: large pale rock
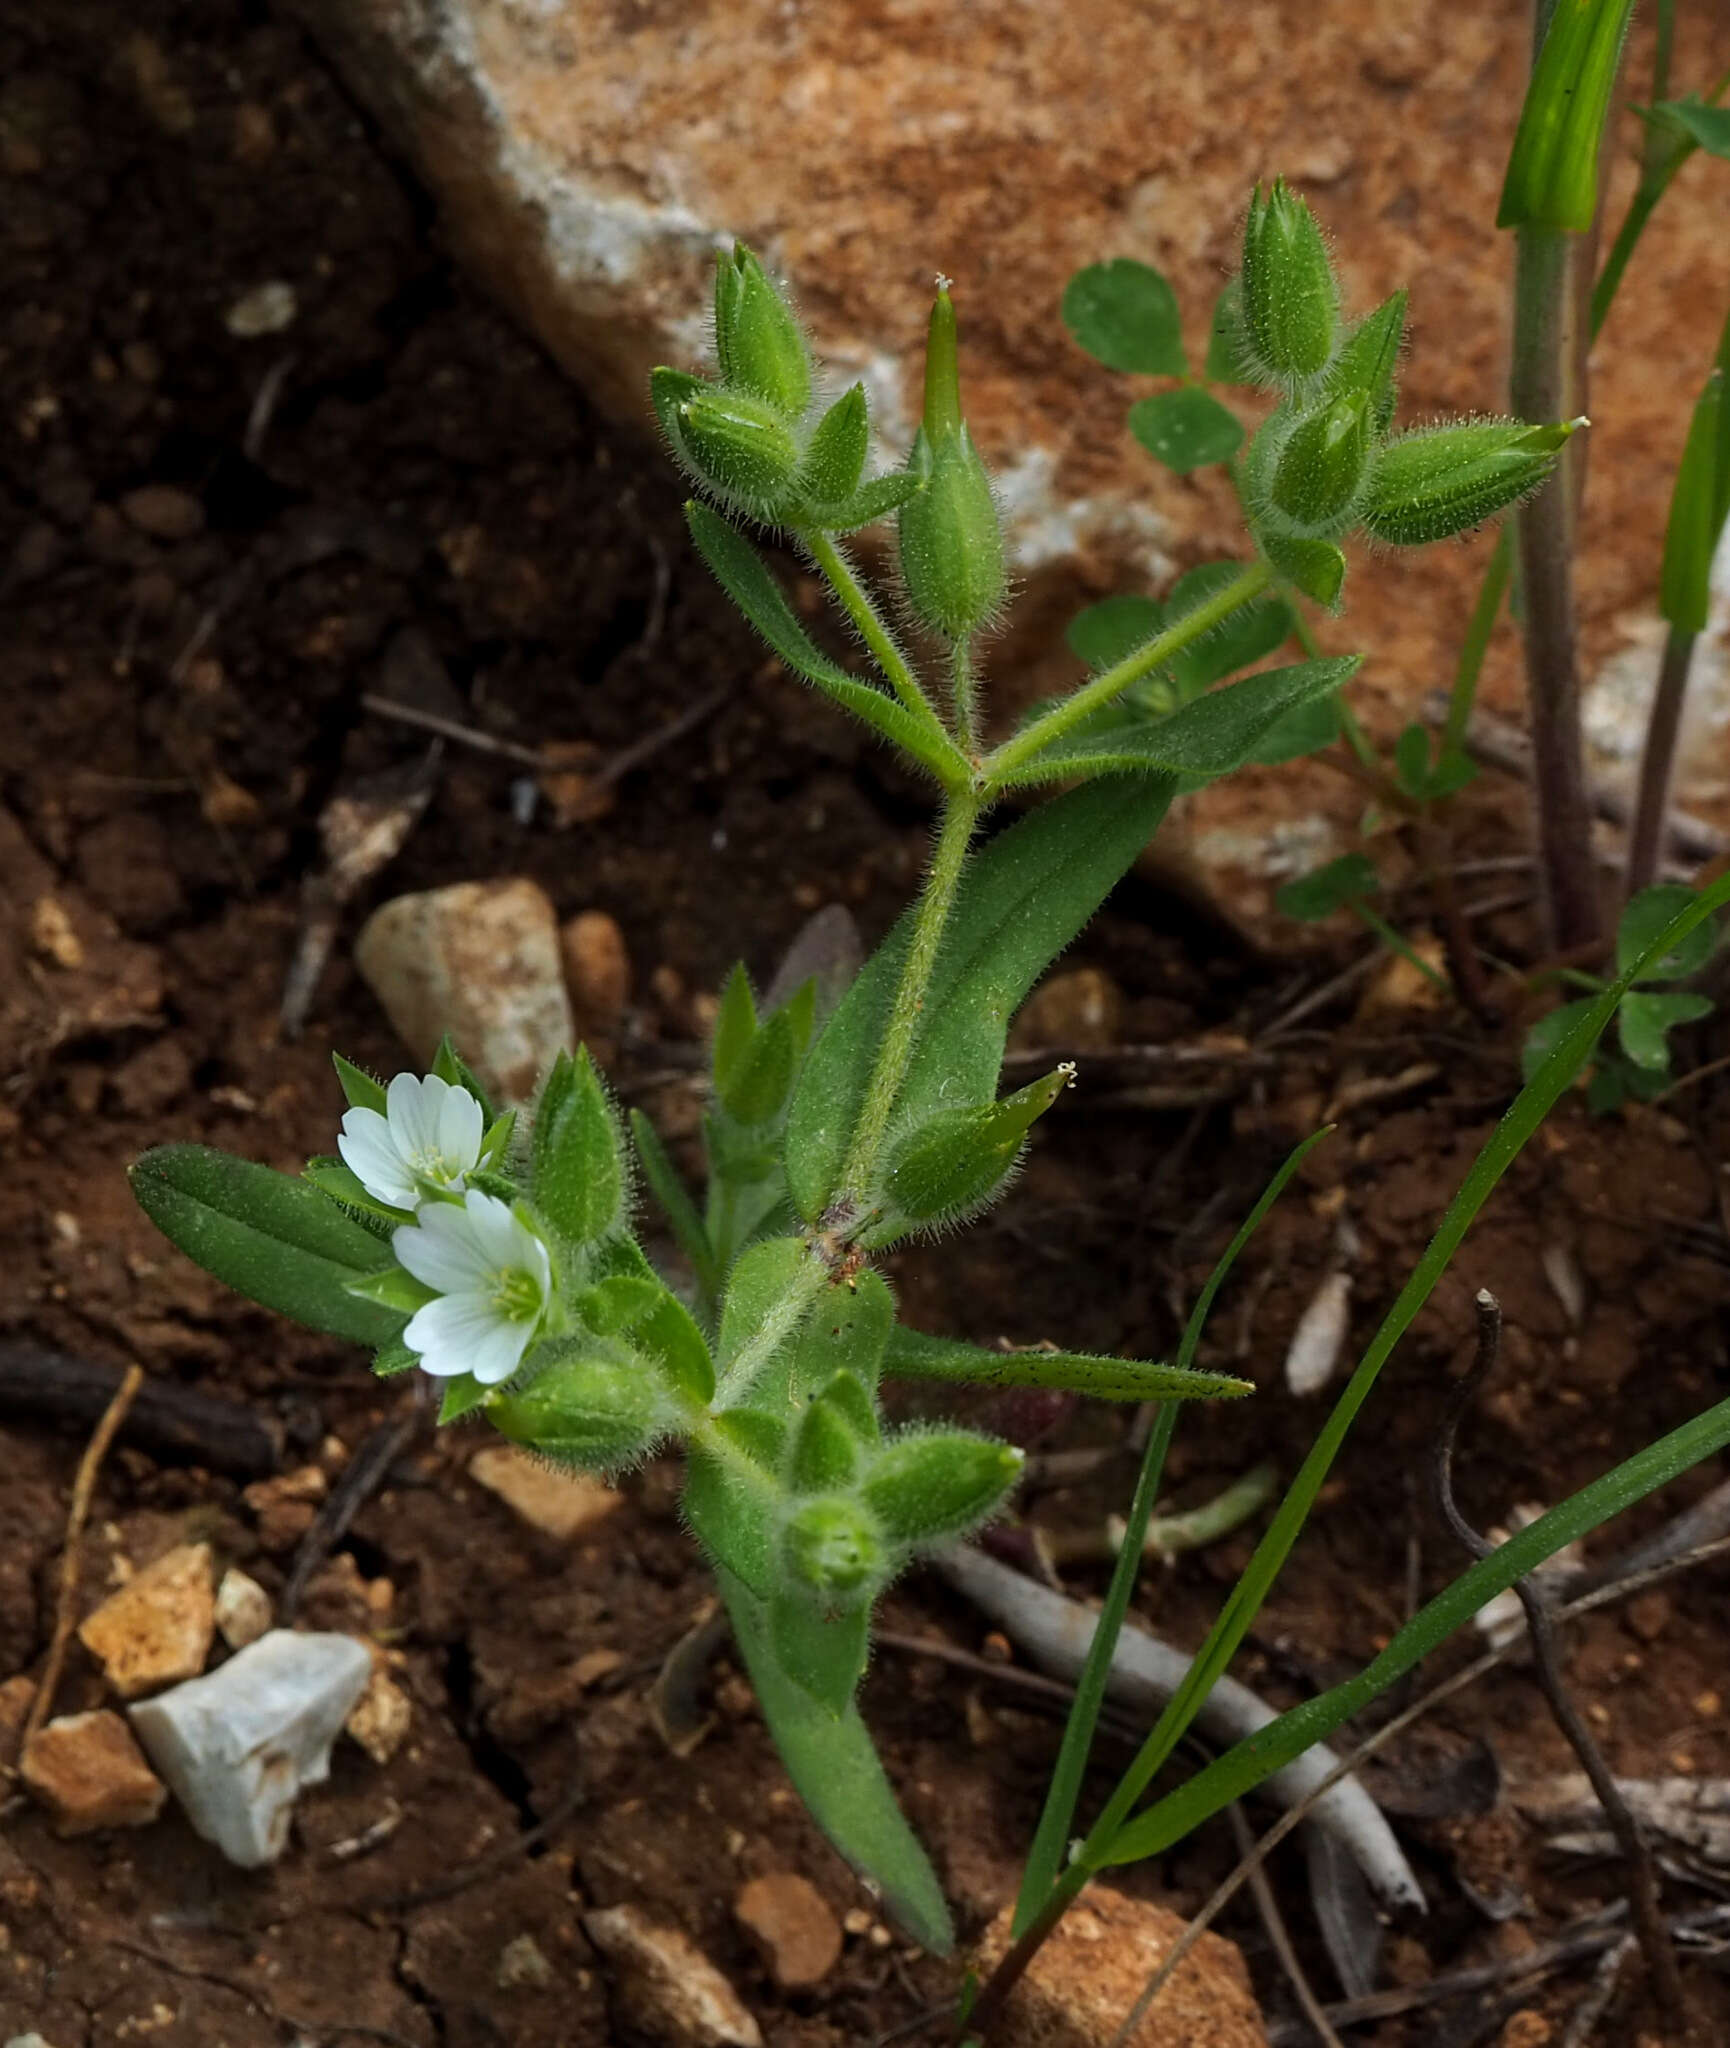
pixel 1081 1985
pixel 481 962
pixel 588 162
pixel 237 1747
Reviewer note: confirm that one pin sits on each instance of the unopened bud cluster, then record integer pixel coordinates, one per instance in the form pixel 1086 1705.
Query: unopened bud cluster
pixel 1324 464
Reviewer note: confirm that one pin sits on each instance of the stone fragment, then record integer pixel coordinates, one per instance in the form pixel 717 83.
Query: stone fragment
pixel 157 1628
pixel 598 974
pixel 481 962
pixel 269 308
pixel 789 1920
pixel 242 1609
pixel 236 1747
pixel 522 1967
pixel 1079 1010
pixel 666 1987
pixel 89 1773
pixel 382 1715
pixel 560 1504
pixel 163 512
pixel 1080 1986
pixel 286 1505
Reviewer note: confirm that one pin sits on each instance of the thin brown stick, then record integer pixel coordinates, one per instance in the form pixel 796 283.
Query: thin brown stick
pixel 361 1478
pixel 1273 1920
pixel 1643 1899
pixel 77 1514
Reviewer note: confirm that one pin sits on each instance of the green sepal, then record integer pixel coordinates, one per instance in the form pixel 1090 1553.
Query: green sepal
pixel 1317 568
pixel 1440 481
pixel 618 1303
pixel 1126 316
pixel 394 1357
pixel 496 1140
pixel 463 1394
pixel 1369 361
pixel 1645 917
pixel 850 1398
pixel 273 1238
pixel 826 1448
pixel 835 455
pixel 1225 339
pixel 959 1158
pixel 599 1409
pixel 735 1028
pixel 932 1486
pixel 449 1065
pixel 1185 429
pixel 740 571
pixel 915 1355
pixel 669 1189
pixel 393 1287
pixel 358 1086
pixel 758 342
pixel 578 1154
pixel 837 1772
pixel 1552 176
pixel 334 1177
pixel 823 1651
pixel 1290 300
pixel 668 392
pixel 1645 1019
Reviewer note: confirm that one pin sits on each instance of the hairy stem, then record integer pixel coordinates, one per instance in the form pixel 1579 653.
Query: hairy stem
pixel 1658 761
pixel 1093 696
pixel 855 600
pixel 963 692
pixel 960 815
pixel 1542 354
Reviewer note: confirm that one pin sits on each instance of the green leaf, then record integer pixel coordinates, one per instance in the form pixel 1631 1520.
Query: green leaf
pixel 1707 128
pixel 394 1357
pixel 836 1772
pixel 768 1291
pixel 874 500
pixel 846 1332
pixel 1210 737
pixel 1021 900
pixel 1324 890
pixel 1224 363
pixel 740 571
pixel 1107 632
pixel 757 1084
pixel 1315 567
pixel 449 1066
pixel 1125 315
pixel 735 1027
pixel 669 1190
pixel 913 1355
pixel 1304 731
pixel 1549 1032
pixel 1698 506
pixel 463 1394
pixel 1645 1022
pixel 731 1500
pixel 362 1091
pixel 393 1287
pixel 1249 635
pixel 669 1334
pixel 823 1654
pixel 1424 779
pixel 1645 917
pixel 579 1178
pixel 274 1239
pixel 334 1178
pixel 1185 429
pixel 1552 178
pixel 835 454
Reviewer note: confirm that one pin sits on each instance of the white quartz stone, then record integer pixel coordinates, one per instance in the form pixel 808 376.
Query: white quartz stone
pixel 236 1746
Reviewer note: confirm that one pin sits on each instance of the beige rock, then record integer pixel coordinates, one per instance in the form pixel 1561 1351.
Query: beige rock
pixel 89 1773
pixel 286 1505
pixel 1078 1010
pixel 157 1629
pixel 598 974
pixel 522 1966
pixel 1082 1983
pixel 163 512
pixel 242 1609
pixel 789 1920
pixel 479 961
pixel 382 1715
pixel 561 1504
pixel 666 1987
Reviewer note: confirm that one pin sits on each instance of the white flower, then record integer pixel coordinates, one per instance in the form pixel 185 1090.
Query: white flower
pixel 494 1279
pixel 429 1137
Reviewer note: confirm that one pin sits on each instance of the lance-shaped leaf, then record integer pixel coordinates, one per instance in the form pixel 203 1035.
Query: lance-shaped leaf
pixel 823 1651
pixel 1699 505
pixel 740 571
pixel 1020 903
pixel 276 1240
pixel 667 1187
pixel 732 1498
pixel 1552 178
pixel 1208 738
pixel 845 1333
pixel 362 1091
pixel 836 1771
pixel 580 1184
pixel 914 1355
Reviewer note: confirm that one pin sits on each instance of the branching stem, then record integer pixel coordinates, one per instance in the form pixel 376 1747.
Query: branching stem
pixel 855 600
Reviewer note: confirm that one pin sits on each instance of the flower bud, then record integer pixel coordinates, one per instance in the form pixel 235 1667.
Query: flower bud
pixel 958 1158
pixel 834 1547
pixel 758 342
pixel 931 1486
pixel 951 543
pixel 587 1406
pixel 1369 360
pixel 1322 463
pixel 1290 302
pixel 740 446
pixel 1444 480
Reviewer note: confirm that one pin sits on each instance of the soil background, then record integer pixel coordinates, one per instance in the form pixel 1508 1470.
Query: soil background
pixel 213 545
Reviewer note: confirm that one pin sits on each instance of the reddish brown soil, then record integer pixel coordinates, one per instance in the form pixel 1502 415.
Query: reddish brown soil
pixel 177 712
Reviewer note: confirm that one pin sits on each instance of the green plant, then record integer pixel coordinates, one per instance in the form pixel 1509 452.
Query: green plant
pixel 1649 1010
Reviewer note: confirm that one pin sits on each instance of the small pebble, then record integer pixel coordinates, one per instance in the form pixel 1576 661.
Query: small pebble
pixel 522 1967
pixel 89 1773
pixel 163 512
pixel 242 1609
pixel 790 1922
pixel 266 309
